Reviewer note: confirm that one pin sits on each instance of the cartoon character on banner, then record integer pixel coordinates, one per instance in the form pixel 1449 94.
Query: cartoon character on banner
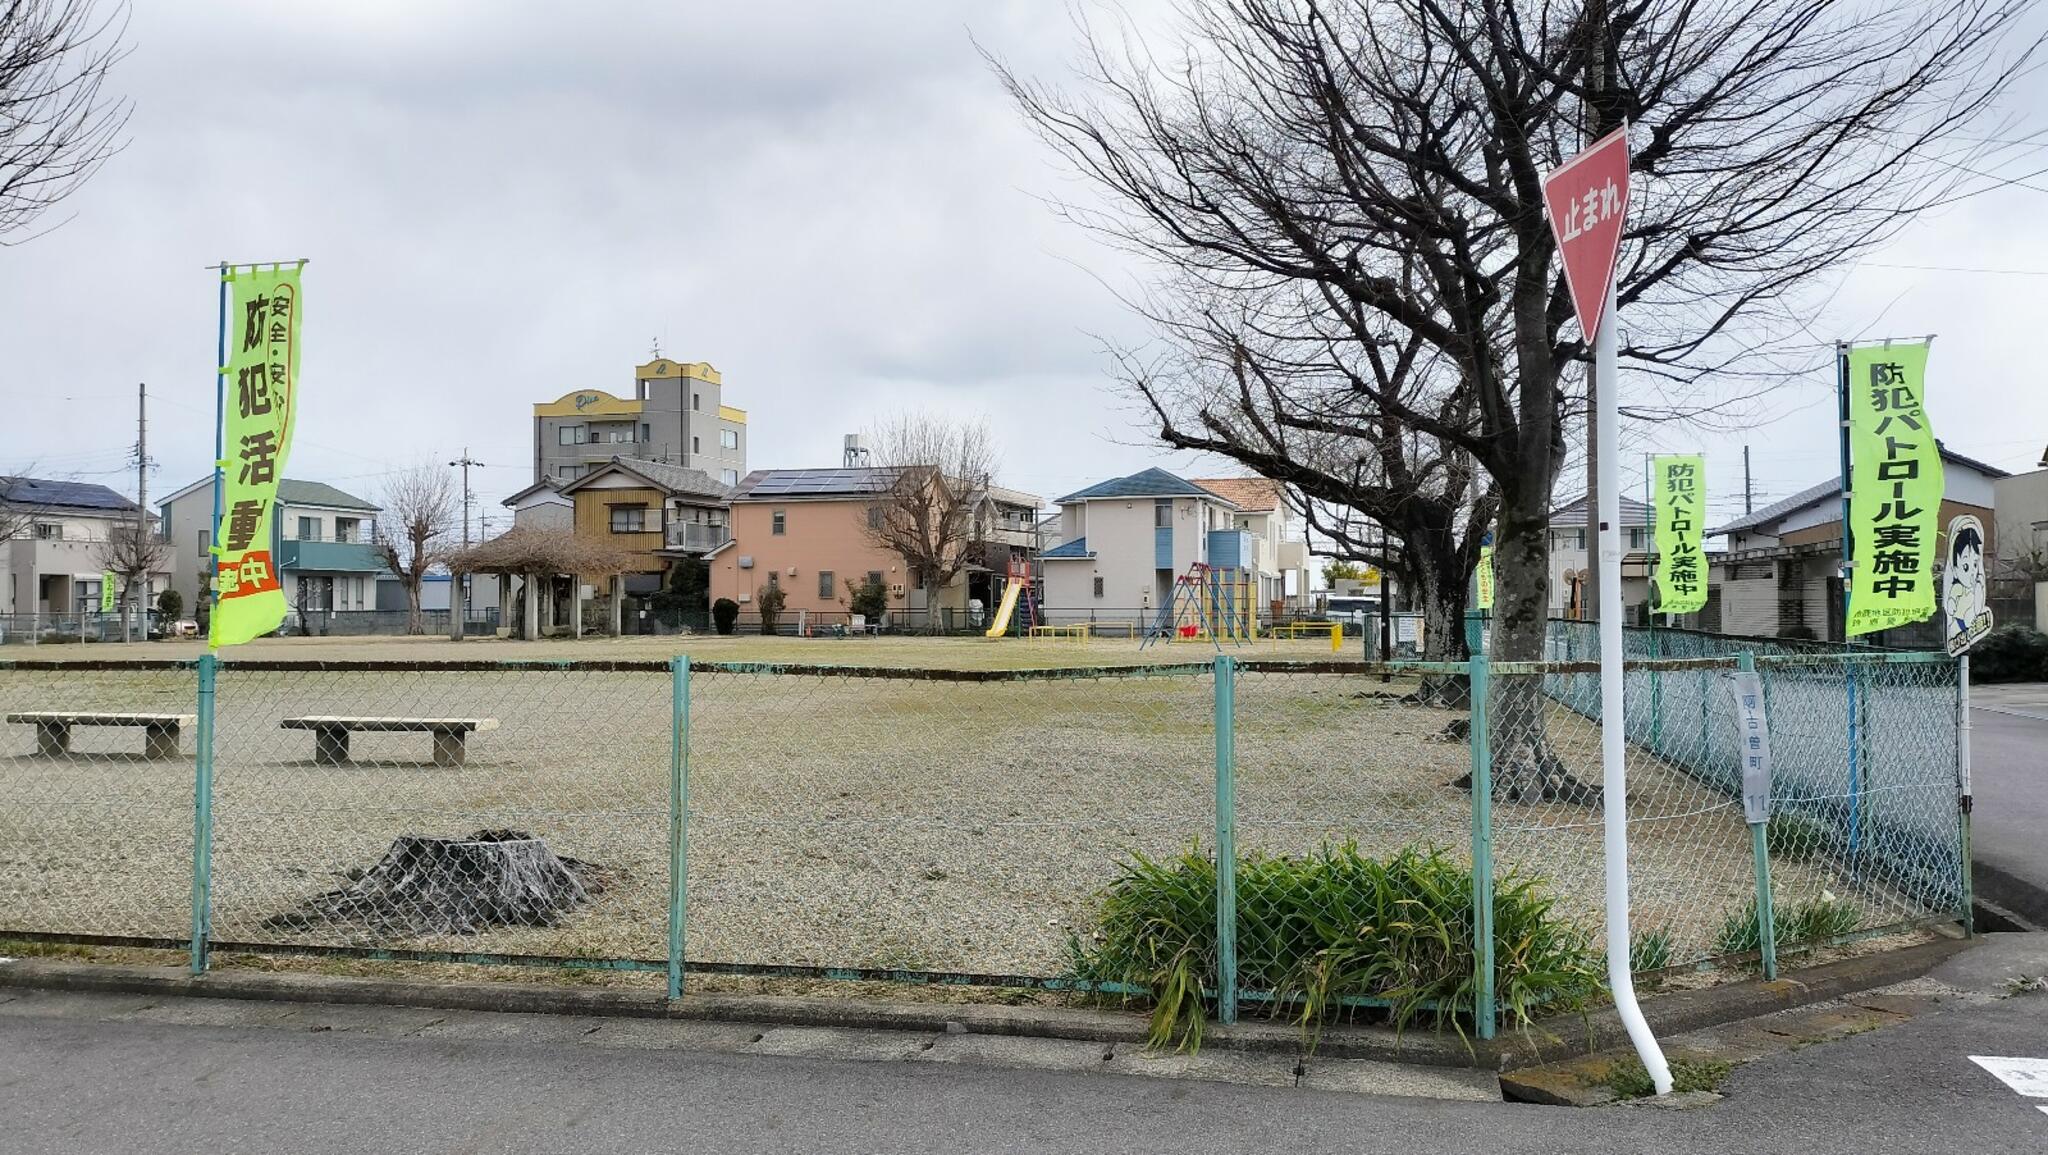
pixel 1965 614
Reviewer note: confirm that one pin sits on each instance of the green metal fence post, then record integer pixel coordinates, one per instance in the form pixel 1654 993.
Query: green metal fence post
pixel 1226 839
pixel 1656 693
pixel 678 817
pixel 202 818
pixel 1483 1011
pixel 1766 916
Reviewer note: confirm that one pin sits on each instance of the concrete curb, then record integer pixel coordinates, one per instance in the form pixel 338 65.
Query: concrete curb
pixel 1544 1042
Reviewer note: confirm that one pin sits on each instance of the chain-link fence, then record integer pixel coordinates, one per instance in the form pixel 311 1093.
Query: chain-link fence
pixel 1050 828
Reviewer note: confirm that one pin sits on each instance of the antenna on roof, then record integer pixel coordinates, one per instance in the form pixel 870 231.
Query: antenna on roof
pixel 657 348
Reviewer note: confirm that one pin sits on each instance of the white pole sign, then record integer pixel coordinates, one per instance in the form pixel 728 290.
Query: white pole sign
pixel 1753 732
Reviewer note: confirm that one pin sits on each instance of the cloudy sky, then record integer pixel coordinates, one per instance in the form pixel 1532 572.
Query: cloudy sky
pixel 831 203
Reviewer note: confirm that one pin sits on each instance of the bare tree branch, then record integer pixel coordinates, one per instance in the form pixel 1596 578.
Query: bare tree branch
pixel 58 124
pixel 418 529
pixel 935 474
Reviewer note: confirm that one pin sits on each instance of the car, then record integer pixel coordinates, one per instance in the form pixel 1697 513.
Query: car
pixel 1353 611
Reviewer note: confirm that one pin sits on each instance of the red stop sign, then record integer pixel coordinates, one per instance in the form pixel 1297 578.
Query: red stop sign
pixel 1587 199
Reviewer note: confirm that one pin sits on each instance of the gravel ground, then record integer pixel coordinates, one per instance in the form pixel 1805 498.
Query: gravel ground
pixel 834 820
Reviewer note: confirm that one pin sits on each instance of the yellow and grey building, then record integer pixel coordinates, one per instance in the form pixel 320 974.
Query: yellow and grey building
pixel 677 414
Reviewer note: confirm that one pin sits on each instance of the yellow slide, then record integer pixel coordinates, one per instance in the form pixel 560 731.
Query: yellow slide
pixel 1001 625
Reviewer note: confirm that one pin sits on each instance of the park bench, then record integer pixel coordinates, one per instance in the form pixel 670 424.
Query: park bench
pixel 330 734
pixel 53 729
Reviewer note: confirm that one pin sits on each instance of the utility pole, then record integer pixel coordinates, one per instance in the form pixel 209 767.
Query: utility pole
pixel 1746 510
pixel 458 605
pixel 465 462
pixel 140 600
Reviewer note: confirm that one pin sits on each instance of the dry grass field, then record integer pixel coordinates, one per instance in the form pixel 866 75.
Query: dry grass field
pixel 834 820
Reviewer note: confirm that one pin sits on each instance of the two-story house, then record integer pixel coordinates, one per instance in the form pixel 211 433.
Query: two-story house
pixel 1277 558
pixel 806 532
pixel 1782 569
pixel 658 512
pixel 55 552
pixel 322 538
pixel 1126 541
pixel 1571 557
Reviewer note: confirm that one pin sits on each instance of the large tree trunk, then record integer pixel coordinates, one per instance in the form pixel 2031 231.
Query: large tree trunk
pixel 414 624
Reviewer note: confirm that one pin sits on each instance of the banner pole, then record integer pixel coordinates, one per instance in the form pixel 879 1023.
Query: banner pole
pixel 220 451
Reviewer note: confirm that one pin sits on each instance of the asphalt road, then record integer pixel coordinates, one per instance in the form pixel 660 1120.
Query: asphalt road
pixel 2009 771
pixel 72 1082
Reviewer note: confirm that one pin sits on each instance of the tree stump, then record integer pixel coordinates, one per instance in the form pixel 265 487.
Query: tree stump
pixel 445 886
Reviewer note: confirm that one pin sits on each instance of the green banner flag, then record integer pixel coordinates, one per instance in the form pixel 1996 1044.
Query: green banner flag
pixel 260 388
pixel 1679 495
pixel 1485 577
pixel 1895 488
pixel 107 591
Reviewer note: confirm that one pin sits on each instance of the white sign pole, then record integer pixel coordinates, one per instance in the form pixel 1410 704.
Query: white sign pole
pixel 1613 719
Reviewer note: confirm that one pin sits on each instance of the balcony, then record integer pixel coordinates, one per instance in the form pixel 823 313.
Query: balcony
pixel 695 537
pixel 314 556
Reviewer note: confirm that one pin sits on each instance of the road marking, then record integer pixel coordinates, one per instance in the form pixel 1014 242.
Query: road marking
pixel 2009 712
pixel 2027 1076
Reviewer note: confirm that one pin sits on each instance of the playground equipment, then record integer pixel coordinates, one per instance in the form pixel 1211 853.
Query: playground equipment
pixel 1076 632
pixel 1016 588
pixel 1211 604
pixel 1311 629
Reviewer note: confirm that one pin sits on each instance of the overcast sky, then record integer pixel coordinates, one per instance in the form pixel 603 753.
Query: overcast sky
pixel 831 203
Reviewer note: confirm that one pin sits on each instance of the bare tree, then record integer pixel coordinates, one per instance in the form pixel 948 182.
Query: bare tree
pixel 16 513
pixel 1344 200
pixel 57 122
pixel 131 552
pixel 418 529
pixel 934 473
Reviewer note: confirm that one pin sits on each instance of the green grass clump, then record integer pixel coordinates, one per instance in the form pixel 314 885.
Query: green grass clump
pixel 1650 950
pixel 1795 924
pixel 1628 1079
pixel 1328 926
pixel 1796 838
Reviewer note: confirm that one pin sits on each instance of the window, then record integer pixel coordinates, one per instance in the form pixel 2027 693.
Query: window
pixel 874 517
pixel 696 445
pixel 774 580
pixel 309 529
pixel 49 531
pixel 825 585
pixel 1162 513
pixel 205 541
pixel 646 432
pixel 1579 539
pixel 1635 537
pixel 729 476
pixel 696 402
pixel 629 519
pixel 777 522
pixel 1098 585
pixel 623 436
pixel 874 577
pixel 728 439
pixel 568 472
pixel 572 434
pixel 345 528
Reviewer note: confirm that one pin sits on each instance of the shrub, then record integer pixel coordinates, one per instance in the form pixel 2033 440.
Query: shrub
pixel 725 614
pixel 2010 654
pixel 1328 926
pixel 769 600
pixel 687 594
pixel 170 605
pixel 1794 924
pixel 869 598
pixel 1796 838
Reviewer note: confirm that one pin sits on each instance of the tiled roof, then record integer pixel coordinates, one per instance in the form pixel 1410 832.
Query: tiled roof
pixel 40 493
pixel 1150 483
pixel 675 479
pixel 1075 548
pixel 291 492
pixel 1251 494
pixel 1633 512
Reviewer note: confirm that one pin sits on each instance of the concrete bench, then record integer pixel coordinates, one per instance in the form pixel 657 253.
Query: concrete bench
pixel 53 729
pixel 330 734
